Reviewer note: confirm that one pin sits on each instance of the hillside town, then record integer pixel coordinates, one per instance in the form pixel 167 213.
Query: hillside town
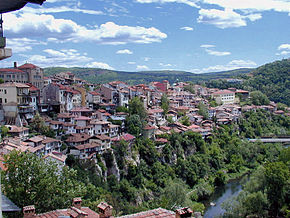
pixel 85 120
pixel 87 116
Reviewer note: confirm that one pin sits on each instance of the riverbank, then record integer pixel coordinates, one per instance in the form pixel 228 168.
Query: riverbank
pixel 222 194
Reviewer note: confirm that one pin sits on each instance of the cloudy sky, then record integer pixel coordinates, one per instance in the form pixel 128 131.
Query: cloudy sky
pixel 192 35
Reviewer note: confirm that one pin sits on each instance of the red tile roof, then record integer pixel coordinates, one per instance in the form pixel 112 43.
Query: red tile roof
pixel 11 70
pixel 126 137
pixel 82 118
pixel 94 93
pixel 28 66
pixel 78 137
pixel 81 109
pixel 159 212
pixel 71 212
pixel 88 145
pixel 222 92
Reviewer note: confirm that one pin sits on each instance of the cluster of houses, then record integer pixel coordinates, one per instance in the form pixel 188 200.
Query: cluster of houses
pixel 105 210
pixel 84 116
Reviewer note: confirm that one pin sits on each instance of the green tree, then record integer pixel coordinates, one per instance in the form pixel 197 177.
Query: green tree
pixel 4 131
pixel 258 98
pixel 164 103
pixel 37 125
pixel 134 125
pixel 277 177
pixel 136 107
pixel 32 180
pixel 203 111
pixel 122 109
pixel 185 121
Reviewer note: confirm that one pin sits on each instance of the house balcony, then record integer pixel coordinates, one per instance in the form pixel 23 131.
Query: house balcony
pixel 25 109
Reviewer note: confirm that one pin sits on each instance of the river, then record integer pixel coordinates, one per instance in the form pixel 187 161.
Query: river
pixel 221 194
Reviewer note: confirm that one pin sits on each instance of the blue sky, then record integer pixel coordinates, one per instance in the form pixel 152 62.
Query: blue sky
pixel 133 35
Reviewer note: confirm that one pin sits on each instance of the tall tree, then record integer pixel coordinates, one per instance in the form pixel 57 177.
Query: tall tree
pixel 31 180
pixel 136 107
pixel 258 98
pixel 164 103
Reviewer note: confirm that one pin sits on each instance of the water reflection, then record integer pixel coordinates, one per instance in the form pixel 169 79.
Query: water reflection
pixel 233 188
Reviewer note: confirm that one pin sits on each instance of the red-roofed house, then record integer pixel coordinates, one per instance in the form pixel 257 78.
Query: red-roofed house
pixel 224 96
pixel 75 211
pixel 35 74
pixel 127 137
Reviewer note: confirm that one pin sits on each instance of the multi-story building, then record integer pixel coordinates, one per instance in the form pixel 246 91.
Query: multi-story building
pixel 35 74
pixel 26 73
pixel 224 97
pixel 14 92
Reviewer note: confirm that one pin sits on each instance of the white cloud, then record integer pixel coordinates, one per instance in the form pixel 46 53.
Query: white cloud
pixel 165 65
pixel 124 51
pixel 225 18
pixel 99 65
pixel 235 64
pixel 207 46
pixel 191 3
pixel 187 28
pixel 208 49
pixel 131 62
pixel 283 53
pixel 254 17
pixel 59 10
pixel 147 59
pixel 252 5
pixel 63 30
pixel 142 67
pixel 23 44
pixel 284 47
pixel 64 58
pixel 217 53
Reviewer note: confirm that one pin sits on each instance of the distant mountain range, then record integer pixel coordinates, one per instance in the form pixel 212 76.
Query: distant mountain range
pixel 96 75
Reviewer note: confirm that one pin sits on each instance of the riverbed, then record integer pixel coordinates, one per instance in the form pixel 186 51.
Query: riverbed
pixel 222 194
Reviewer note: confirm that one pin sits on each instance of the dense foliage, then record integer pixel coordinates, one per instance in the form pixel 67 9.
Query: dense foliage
pixel 30 180
pixel 273 80
pixel 266 194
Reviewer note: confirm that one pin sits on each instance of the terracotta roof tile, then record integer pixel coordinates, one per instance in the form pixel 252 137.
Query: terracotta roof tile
pixel 159 212
pixel 27 66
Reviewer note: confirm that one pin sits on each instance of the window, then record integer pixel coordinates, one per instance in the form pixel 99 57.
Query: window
pixel 5 91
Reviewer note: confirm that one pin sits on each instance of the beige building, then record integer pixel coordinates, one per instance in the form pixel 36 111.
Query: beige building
pixel 224 97
pixel 14 92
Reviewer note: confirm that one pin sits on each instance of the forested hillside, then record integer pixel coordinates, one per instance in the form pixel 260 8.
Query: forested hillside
pixel 273 79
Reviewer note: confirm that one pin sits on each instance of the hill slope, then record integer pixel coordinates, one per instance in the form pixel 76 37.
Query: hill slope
pixel 273 79
pixel 96 75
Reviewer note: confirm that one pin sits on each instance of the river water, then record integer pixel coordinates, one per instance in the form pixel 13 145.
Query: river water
pixel 222 194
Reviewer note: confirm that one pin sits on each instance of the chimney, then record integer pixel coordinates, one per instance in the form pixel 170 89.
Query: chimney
pixel 77 202
pixel 105 210
pixel 15 64
pixel 183 212
pixel 29 211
